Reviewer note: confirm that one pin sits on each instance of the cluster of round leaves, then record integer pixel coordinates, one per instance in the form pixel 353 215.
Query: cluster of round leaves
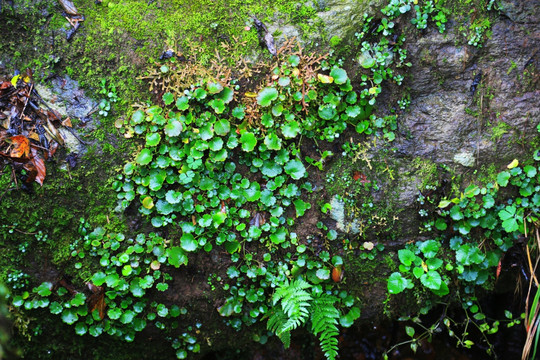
pixel 130 268
pixel 253 279
pixel 319 107
pixel 186 172
pixel 478 218
pixel 220 182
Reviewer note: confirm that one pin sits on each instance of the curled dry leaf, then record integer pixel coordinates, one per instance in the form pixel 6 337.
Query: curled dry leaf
pixel 96 301
pixel 39 164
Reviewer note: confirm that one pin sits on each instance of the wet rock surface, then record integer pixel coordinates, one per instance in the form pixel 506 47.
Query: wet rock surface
pixel 344 18
pixel 450 124
pixel 64 95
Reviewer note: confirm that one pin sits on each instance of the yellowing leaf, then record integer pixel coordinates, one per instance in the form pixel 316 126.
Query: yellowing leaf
pixel 148 202
pixel 117 124
pixel 325 79
pixel 250 94
pixel 444 203
pixel 373 90
pixel 513 164
pixel 15 79
pixel 33 136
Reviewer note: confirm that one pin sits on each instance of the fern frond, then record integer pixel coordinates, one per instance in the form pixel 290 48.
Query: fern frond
pixel 295 300
pixel 324 320
pixel 276 320
pixel 285 339
pixel 294 309
pixel 277 323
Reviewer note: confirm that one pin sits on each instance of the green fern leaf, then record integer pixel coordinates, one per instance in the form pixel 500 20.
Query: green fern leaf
pixel 294 311
pixel 324 320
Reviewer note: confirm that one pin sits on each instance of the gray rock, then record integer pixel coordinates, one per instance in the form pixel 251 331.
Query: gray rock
pixel 446 123
pixel 343 18
pixel 71 143
pixel 520 11
pixel 66 97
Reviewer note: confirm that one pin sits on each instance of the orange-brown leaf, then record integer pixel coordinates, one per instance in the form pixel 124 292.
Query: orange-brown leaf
pixel 337 274
pixel 97 300
pixel 67 122
pixel 38 162
pixel 21 146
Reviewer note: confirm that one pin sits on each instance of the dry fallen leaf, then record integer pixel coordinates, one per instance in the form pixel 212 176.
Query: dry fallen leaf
pixel 67 122
pixel 21 146
pixel 38 162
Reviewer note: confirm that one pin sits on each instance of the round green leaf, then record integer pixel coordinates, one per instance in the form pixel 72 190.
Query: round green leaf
pixel 152 139
pixel 173 128
pixel 168 98
pixel 366 61
pixel 431 280
pixel 327 112
pixel 227 95
pixel 290 130
pixel 199 94
pixel 406 257
pixel 238 112
pixel 502 178
pixel 188 242
pixel 182 103
pixel 80 329
pixel 144 157
pixel 323 274
pixel 222 127
pixel 176 256
pixel 295 169
pixel 69 316
pixel 137 117
pixel 271 168
pixel 266 96
pixel 248 141
pixel 218 105
pixel 397 283
pixel 272 141
pixel 339 75
pixel 294 60
pixel 214 87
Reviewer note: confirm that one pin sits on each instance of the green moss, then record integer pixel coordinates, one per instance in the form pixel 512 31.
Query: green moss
pixel 473 20
pixel 498 130
pixel 426 170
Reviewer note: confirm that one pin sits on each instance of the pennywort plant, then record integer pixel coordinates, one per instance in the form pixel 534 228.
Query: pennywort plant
pixel 477 228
